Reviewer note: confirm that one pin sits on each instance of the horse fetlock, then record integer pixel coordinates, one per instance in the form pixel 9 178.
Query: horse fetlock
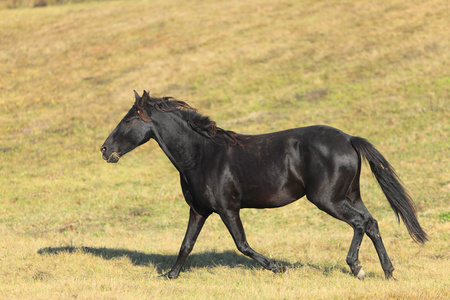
pixel 388 273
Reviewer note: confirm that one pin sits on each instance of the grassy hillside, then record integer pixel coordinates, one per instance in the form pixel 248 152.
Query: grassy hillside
pixel 72 226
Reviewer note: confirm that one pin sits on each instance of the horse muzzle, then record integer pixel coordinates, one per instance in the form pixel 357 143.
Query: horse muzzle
pixel 113 158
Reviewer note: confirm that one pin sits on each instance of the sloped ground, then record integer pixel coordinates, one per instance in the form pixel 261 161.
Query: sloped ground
pixel 74 226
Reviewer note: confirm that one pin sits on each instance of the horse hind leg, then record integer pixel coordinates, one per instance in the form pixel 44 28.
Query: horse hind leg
pixel 374 234
pixel 354 213
pixel 342 210
pixel 370 226
pixel 358 221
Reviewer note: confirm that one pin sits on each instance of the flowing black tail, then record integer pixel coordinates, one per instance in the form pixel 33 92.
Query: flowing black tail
pixel 398 197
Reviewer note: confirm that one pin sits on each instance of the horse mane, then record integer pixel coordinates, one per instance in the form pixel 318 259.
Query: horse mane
pixel 198 122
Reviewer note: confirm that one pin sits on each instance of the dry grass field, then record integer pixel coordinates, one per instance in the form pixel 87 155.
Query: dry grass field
pixel 72 226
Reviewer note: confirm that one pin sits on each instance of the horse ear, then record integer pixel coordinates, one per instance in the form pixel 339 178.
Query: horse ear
pixel 145 99
pixel 141 104
pixel 145 96
pixel 136 95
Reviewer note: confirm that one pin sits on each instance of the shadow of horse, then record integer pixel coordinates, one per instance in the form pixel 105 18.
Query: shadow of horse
pixel 163 263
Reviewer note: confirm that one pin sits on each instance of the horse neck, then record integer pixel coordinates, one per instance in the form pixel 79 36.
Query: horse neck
pixel 182 145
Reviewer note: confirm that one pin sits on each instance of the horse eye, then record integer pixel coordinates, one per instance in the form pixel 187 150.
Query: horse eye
pixel 127 121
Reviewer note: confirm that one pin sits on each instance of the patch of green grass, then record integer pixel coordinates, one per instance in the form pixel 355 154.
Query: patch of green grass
pixel 445 216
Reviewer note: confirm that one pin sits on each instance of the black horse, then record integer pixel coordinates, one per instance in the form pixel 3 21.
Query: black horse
pixel 222 171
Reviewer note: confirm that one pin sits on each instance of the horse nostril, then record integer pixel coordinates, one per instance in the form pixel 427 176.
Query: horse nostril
pixel 103 149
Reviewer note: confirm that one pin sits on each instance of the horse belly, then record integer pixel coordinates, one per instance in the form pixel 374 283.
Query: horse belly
pixel 271 198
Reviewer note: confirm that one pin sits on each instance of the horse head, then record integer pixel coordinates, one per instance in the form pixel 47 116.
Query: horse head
pixel 132 131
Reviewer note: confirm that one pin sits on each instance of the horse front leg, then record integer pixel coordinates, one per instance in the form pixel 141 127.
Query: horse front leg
pixel 195 225
pixel 233 222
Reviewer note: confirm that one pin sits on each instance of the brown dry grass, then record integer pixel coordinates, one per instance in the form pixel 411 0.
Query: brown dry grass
pixel 72 226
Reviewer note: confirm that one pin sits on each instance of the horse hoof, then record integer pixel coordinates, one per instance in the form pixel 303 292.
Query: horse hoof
pixel 285 271
pixel 168 276
pixel 390 277
pixel 361 274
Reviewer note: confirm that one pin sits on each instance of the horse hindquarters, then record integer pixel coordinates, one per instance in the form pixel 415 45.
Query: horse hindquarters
pixel 333 186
